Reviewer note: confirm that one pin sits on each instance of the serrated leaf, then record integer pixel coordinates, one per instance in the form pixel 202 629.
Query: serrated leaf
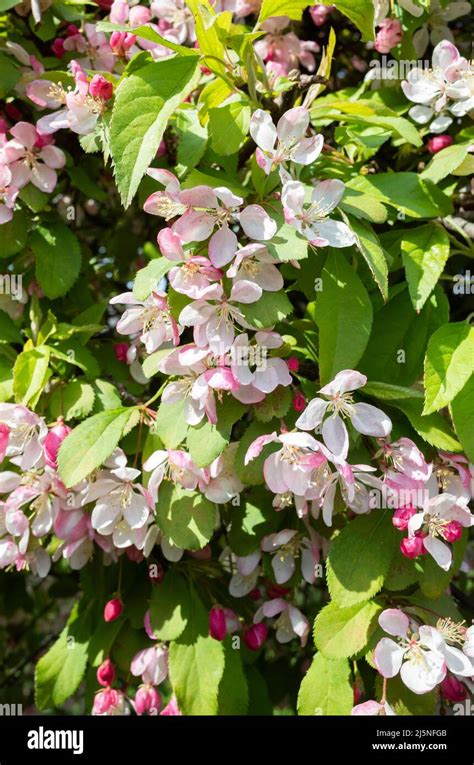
pixel 169 606
pixel 58 258
pixel 286 244
pixel 144 102
pixel 30 374
pixel 449 363
pixel 149 277
pixel 72 401
pixel 425 251
pixel 445 162
pixel 372 251
pixel 92 442
pixel 344 317
pixel 326 688
pixel 271 308
pixel 186 518
pixel 360 558
pixel 343 632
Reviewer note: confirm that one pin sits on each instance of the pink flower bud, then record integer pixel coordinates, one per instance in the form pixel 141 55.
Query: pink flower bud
pixel 4 439
pixel 105 700
pixel 412 547
pixel 401 517
pixel 452 531
pixel 147 699
pixel 293 364
pixel 389 35
pixel 52 443
pixel 217 624
pixel 439 142
pixel 120 42
pixel 99 87
pixel 120 350
pixel 13 112
pixel 119 12
pixel 71 30
pixel 171 709
pixel 357 693
pixel 255 636
pixel 161 149
pixel 277 591
pixel 3 125
pixel 106 673
pixel 139 15
pixel 319 13
pixel 113 609
pixel 57 47
pixel 104 4
pixel 452 689
pixel 299 402
pixel 43 140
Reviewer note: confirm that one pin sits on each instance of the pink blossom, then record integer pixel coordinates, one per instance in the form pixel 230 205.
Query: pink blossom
pixel 30 163
pixel 99 87
pixel 175 14
pixel 221 483
pixel 254 370
pixel 290 623
pixel 151 664
pixel 283 52
pixel 110 702
pixel 26 435
pixel 373 708
pixel 434 521
pixel 338 403
pixel 171 709
pixel 438 143
pixel 8 194
pixel 99 54
pixel 214 323
pixel 147 699
pixel 254 268
pixel 286 546
pixel 289 137
pixel 52 443
pixel 106 673
pixel 310 219
pixel 113 609
pixel 150 319
pixel 174 465
pixel 388 36
pixel 319 13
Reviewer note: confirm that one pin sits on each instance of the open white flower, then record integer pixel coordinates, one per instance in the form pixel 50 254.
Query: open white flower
pixel 311 219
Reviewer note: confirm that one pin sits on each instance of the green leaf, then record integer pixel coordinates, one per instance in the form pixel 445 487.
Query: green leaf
pixel 251 521
pixel 433 428
pixel 360 558
pixel 425 251
pixel 362 205
pixel 196 664
pixel 187 518
pixel 30 375
pixel 287 244
pixel 271 308
pixel 72 401
pixel 91 442
pixel 59 672
pixel 58 258
pixel 326 688
pixel 144 102
pixel 462 410
pixel 148 278
pixel 291 8
pixel 207 441
pixel 406 192
pixel 449 363
pixel 192 138
pixel 9 72
pixel 9 332
pixel 445 162
pixel 370 247
pixel 229 126
pixel 233 696
pixel 14 234
pixel 106 396
pixel 405 702
pixel 344 318
pixel 395 351
pixel 210 27
pixel 432 579
pixel 360 12
pixel 147 33
pixel 170 424
pixel 275 404
pixel 169 606
pixel 343 632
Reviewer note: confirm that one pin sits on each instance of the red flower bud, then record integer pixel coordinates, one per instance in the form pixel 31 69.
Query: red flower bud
pixel 57 47
pixel 452 689
pixel 99 87
pixel 452 531
pixel 217 625
pixel 412 547
pixel 439 142
pixel 255 636
pixel 106 673
pixel 113 609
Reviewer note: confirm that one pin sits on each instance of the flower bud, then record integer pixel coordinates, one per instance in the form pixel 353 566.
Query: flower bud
pixel 255 636
pixel 99 87
pixel 452 689
pixel 217 624
pixel 106 673
pixel 52 443
pixel 147 699
pixel 412 547
pixel 389 35
pixel 401 517
pixel 57 47
pixel 299 402
pixel 439 142
pixel 118 12
pixel 71 30
pixel 452 531
pixel 139 14
pixel 105 700
pixel 277 591
pixel 113 609
pixel 293 364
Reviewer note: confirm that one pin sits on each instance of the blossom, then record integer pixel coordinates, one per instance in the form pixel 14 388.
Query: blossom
pixel 447 87
pixel 373 708
pixel 221 483
pixel 311 219
pixel 289 469
pixel 176 15
pixel 110 702
pixel 388 36
pixel 201 209
pixel 30 161
pixel 253 264
pixel 441 518
pixel 421 653
pixel 24 433
pixel 290 623
pixel 253 370
pixel 151 664
pixel 289 135
pixel 8 194
pixel 214 323
pixel 244 580
pixel 284 52
pixel 94 44
pixel 436 27
pixel 338 403
pixel 174 465
pixel 150 319
pixel 122 506
pixel 286 546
